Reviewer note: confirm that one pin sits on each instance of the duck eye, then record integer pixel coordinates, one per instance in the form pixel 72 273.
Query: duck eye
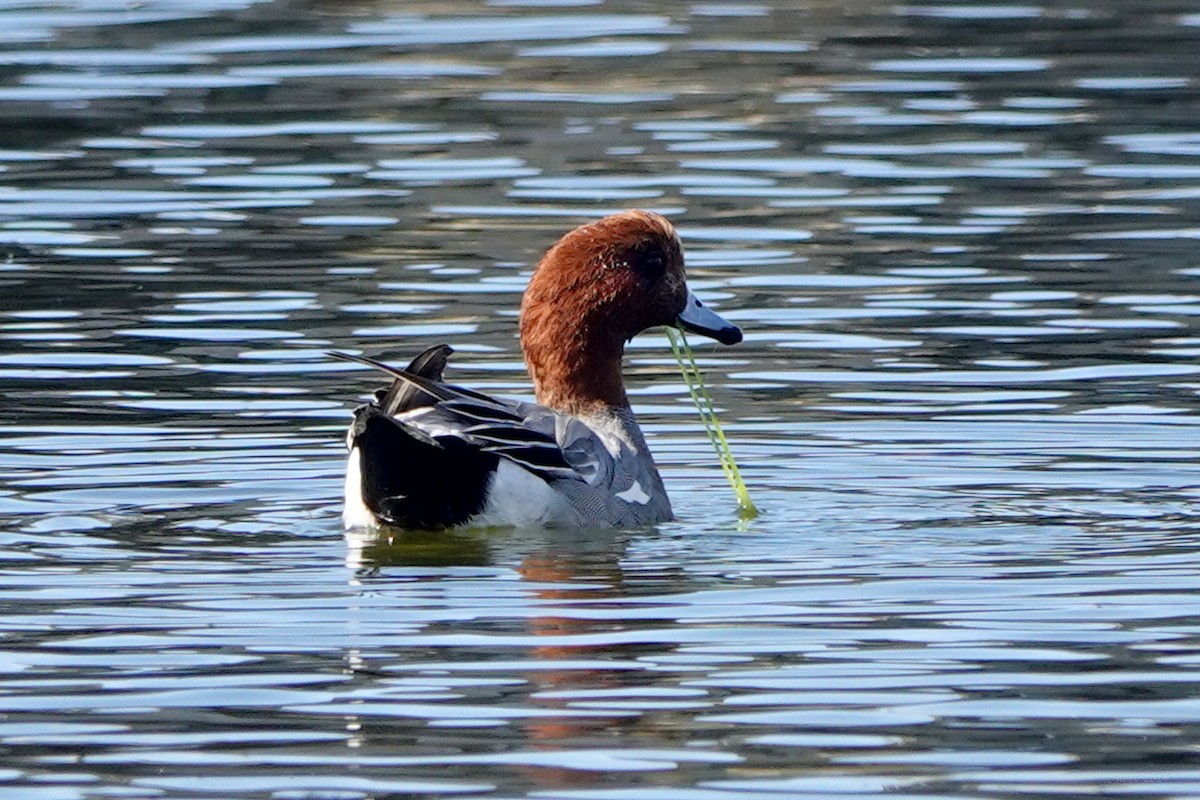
pixel 651 264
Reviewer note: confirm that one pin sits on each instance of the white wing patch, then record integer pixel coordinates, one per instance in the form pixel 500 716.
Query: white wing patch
pixel 635 494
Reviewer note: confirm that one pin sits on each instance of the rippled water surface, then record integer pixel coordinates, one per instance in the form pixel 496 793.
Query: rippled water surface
pixel 962 240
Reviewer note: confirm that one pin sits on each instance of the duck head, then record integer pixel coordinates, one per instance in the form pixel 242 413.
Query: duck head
pixel 595 289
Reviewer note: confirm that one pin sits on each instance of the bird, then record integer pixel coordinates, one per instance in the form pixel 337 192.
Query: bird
pixel 430 455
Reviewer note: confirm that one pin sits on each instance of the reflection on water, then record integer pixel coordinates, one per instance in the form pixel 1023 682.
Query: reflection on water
pixel 960 239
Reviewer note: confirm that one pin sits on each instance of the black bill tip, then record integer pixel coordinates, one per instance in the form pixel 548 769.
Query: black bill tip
pixel 699 318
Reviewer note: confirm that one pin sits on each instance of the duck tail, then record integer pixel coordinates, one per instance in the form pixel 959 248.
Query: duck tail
pixel 406 394
pixel 412 480
pixel 400 474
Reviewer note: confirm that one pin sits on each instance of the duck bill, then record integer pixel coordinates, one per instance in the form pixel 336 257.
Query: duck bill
pixel 699 318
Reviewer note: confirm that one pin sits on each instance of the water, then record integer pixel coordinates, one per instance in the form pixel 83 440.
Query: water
pixel 961 239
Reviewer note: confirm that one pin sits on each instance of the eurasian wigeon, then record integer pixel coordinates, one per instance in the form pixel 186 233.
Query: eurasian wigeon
pixel 426 454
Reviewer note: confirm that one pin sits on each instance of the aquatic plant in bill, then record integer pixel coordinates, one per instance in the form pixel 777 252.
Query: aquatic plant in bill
pixel 712 426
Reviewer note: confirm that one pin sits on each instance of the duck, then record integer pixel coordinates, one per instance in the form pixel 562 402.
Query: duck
pixel 426 454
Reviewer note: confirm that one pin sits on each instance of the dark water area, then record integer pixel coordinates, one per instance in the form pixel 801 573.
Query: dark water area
pixel 962 240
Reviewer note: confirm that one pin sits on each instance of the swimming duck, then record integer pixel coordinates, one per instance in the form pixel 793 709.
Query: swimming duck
pixel 426 454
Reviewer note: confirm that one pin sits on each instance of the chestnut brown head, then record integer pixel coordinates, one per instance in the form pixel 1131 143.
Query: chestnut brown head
pixel 598 287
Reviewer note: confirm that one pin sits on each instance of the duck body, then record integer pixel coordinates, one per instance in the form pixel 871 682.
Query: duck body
pixel 428 454
pixel 454 458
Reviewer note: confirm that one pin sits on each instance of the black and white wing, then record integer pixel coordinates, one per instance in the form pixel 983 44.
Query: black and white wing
pixel 437 410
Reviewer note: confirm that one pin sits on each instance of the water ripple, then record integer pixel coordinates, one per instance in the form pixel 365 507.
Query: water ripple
pixel 957 236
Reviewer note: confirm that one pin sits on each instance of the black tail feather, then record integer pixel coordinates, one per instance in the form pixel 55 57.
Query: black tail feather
pixel 401 396
pixel 405 393
pixel 415 482
pixel 408 478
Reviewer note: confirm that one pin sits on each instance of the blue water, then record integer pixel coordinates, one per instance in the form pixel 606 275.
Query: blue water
pixel 961 241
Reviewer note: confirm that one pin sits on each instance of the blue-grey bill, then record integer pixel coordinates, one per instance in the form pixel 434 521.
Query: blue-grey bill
pixel 699 318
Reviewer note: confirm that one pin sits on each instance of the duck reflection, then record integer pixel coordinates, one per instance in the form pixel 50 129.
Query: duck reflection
pixel 557 637
pixel 368 551
pixel 582 567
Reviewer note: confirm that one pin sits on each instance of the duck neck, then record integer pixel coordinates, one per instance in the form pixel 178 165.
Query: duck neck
pixel 574 371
